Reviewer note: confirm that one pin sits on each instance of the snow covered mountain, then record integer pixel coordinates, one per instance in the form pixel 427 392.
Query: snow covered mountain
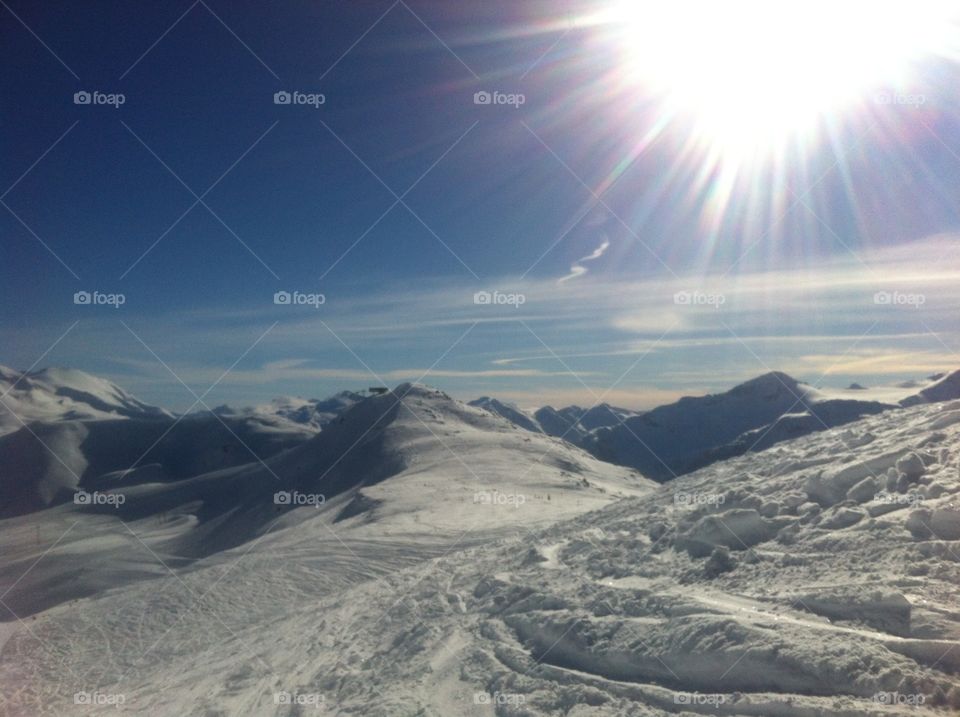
pixel 816 578
pixel 410 462
pixel 677 438
pixel 76 430
pixel 45 463
pixel 574 423
pixel 941 387
pixel 314 413
pixel 60 394
pixel 571 423
pixel 512 413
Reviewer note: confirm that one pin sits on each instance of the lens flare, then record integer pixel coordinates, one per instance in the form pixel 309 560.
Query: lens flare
pixel 754 75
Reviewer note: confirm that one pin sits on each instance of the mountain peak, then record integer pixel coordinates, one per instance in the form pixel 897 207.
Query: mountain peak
pixel 55 393
pixel 419 390
pixel 771 379
pixel 945 387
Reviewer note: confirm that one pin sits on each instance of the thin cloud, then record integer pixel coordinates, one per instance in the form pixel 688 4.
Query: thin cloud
pixel 578 268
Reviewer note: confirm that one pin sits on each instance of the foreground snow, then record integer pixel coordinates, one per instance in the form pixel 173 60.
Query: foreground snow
pixel 816 578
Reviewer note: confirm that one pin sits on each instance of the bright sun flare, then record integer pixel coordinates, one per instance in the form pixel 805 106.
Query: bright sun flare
pixel 752 75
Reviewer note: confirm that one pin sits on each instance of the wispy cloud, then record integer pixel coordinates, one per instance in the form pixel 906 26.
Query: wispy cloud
pixel 578 268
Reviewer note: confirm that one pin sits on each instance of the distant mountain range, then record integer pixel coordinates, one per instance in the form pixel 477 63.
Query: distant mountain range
pixel 63 429
pixel 680 437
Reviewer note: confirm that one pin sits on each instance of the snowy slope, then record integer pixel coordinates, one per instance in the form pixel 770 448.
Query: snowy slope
pixel 413 462
pixel 571 423
pixel 816 578
pixel 45 463
pixel 83 431
pixel 57 394
pixel 944 387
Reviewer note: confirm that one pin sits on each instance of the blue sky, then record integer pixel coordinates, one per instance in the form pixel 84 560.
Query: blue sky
pixel 399 198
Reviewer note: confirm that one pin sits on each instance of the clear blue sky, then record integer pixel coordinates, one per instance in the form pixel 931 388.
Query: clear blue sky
pixel 583 199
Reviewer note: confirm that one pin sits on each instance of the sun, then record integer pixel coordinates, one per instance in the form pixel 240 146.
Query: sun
pixel 751 76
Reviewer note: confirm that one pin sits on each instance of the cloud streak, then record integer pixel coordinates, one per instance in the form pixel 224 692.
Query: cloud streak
pixel 578 268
